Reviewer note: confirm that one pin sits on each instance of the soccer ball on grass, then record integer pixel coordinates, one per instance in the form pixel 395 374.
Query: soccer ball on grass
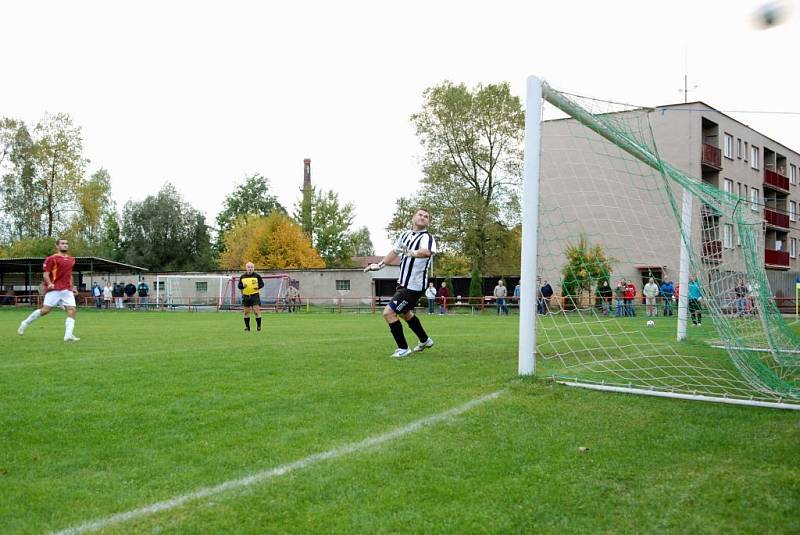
pixel 651 323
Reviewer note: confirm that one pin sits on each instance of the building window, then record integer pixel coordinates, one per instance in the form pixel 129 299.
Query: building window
pixel 754 157
pixel 160 286
pixel 201 287
pixel 793 174
pixel 727 236
pixel 793 247
pixel 792 211
pixel 754 199
pixel 745 151
pixel 728 146
pixel 739 148
pixel 728 185
pixel 343 284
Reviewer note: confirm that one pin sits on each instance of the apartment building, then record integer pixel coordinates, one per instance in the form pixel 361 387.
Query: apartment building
pixel 586 188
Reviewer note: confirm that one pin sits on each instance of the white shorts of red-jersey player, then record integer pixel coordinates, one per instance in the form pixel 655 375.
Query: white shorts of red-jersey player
pixel 57 298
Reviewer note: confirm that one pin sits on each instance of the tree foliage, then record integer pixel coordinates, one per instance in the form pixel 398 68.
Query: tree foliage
pixel 271 242
pixel 472 168
pixel 586 266
pixel 361 243
pixel 252 197
pixel 451 265
pixel 59 162
pixel 475 285
pixel 331 221
pixel 165 233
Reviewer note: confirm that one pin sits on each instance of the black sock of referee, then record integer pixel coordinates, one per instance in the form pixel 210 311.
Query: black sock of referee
pixel 258 321
pixel 416 326
pixel 247 322
pixel 399 337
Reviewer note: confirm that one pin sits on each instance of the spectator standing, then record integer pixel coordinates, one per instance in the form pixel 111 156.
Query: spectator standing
pixel 667 293
pixel 695 296
pixel 430 297
pixel 650 292
pixel 144 291
pixel 293 296
pixel 605 297
pixel 108 294
pixel 630 295
pixel 118 292
pixel 97 293
pixel 130 292
pixel 443 295
pixel 619 296
pixel 547 294
pixel 516 293
pixel 500 293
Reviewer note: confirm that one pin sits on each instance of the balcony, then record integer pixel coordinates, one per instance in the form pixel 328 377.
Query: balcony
pixel 776 259
pixel 711 156
pixel 776 219
pixel 712 251
pixel 776 181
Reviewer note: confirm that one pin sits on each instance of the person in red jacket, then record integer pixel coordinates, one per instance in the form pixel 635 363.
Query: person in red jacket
pixel 442 295
pixel 630 295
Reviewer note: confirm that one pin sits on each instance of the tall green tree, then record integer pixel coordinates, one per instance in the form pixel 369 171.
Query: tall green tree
pixel 163 232
pixel 331 220
pixel 472 167
pixel 94 204
pixel 361 242
pixel 59 162
pixel 21 193
pixel 252 197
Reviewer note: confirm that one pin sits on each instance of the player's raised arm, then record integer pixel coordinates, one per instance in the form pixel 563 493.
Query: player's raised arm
pixel 390 257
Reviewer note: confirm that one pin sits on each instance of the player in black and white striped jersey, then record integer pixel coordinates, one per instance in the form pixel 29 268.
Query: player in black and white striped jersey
pixel 415 248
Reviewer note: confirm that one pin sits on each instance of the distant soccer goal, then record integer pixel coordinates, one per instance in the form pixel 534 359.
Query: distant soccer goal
pixel 193 292
pixel 603 203
pixel 273 294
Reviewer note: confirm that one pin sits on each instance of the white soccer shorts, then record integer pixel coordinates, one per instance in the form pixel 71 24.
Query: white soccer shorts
pixel 57 298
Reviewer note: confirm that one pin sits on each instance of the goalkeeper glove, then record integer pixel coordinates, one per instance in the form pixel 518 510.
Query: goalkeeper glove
pixel 374 267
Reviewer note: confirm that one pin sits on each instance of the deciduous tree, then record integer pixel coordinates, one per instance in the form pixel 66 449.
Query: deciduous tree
pixel 271 242
pixel 471 167
pixel 165 233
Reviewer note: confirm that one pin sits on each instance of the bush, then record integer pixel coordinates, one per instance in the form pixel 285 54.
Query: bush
pixel 587 266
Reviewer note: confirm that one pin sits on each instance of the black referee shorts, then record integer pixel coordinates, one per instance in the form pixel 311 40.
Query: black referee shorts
pixel 251 300
pixel 404 300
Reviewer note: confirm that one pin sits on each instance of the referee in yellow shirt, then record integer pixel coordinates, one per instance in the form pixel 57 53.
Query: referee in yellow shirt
pixel 250 283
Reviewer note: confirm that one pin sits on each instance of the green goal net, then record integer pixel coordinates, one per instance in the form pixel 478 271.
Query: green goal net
pixel 615 211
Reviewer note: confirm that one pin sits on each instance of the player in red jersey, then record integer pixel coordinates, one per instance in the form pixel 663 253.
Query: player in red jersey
pixel 59 290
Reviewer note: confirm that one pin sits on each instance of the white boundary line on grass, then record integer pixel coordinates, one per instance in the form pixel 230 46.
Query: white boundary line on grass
pixel 755 349
pixel 266 475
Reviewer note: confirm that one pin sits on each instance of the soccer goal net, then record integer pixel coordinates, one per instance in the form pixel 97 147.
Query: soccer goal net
pixel 273 294
pixel 193 292
pixel 656 260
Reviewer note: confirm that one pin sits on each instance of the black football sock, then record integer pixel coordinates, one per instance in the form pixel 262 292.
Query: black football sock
pixel 416 326
pixel 247 323
pixel 258 322
pixel 399 337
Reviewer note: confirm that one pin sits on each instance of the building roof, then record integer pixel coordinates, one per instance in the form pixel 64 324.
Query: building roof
pixel 364 261
pixel 87 264
pixel 708 107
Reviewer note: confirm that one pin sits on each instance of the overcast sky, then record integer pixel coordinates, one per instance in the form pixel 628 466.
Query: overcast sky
pixel 201 93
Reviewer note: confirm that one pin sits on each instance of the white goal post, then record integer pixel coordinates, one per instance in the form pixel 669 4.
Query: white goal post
pixel 611 222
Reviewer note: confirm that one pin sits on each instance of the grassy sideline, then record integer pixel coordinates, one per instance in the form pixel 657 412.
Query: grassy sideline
pixel 149 406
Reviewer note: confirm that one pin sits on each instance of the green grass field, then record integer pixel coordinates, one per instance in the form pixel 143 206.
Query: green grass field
pixel 149 407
